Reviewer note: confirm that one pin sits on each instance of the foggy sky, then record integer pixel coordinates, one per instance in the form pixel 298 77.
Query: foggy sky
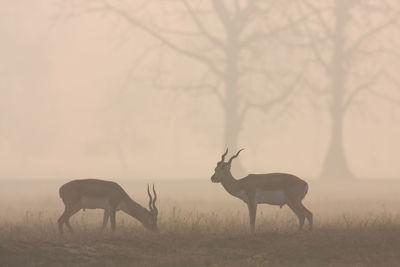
pixel 63 83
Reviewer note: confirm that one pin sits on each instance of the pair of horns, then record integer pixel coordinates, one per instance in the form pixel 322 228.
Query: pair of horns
pixel 152 202
pixel 233 157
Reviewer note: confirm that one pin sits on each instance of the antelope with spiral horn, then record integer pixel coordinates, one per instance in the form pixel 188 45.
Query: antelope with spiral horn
pixel 271 188
pixel 106 195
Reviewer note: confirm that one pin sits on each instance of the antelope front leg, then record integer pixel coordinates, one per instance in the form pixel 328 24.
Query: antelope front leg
pixel 297 209
pixel 64 219
pixel 112 218
pixel 252 214
pixel 105 219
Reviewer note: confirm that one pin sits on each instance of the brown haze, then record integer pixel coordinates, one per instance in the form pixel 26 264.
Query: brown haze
pixel 154 91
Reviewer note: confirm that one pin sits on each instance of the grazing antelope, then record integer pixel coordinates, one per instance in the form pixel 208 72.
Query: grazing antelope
pixel 271 188
pixel 107 195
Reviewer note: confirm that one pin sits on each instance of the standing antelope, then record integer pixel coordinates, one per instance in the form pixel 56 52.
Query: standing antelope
pixel 272 188
pixel 107 195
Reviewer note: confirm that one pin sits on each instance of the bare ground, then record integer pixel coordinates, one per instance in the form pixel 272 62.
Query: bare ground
pixel 327 247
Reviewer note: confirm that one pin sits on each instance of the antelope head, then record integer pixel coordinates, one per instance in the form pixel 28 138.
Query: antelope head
pixel 223 169
pixel 151 220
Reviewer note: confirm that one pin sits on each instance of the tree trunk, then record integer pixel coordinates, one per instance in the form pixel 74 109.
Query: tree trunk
pixel 232 127
pixel 233 123
pixel 335 166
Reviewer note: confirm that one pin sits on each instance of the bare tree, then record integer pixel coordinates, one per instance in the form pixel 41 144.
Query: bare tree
pixel 231 40
pixel 343 36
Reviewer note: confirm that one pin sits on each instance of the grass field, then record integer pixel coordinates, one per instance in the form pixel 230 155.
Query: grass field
pixel 351 229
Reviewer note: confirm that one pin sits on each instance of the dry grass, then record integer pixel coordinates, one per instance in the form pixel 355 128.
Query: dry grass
pixel 362 230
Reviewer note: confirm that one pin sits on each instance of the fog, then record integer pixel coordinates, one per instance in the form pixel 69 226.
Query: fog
pixel 151 93
pixel 86 93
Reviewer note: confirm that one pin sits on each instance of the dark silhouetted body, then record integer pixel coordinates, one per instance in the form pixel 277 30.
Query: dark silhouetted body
pixel 106 195
pixel 272 188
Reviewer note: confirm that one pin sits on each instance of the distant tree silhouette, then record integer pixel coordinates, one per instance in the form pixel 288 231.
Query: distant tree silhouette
pixel 341 36
pixel 232 40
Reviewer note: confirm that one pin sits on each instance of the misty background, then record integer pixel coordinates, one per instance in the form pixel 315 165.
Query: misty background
pixel 158 89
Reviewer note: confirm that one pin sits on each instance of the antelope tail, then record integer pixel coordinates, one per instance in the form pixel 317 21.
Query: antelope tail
pixel 305 191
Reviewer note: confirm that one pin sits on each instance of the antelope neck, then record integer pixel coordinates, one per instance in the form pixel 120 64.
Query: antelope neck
pixel 136 210
pixel 230 184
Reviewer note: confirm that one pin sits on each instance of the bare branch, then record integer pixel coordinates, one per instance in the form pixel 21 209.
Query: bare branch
pixel 237 6
pixel 315 50
pixel 394 81
pixel 222 12
pixel 204 85
pixel 318 12
pixel 133 21
pixel 385 97
pixel 364 37
pixel 362 87
pixel 288 90
pixel 243 15
pixel 201 27
pixel 272 34
pixel 314 88
pixel 313 42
